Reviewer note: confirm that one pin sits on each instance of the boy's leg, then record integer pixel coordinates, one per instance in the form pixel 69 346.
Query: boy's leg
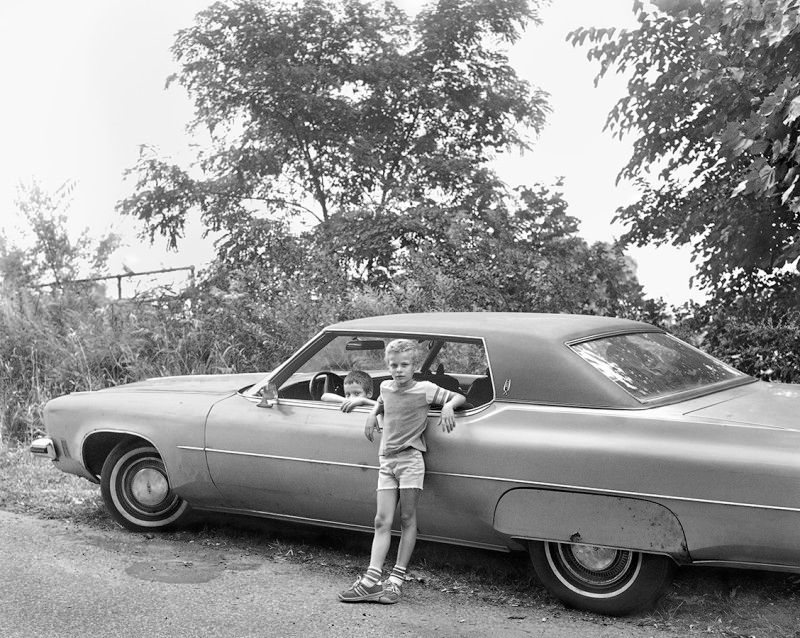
pixel 409 498
pixel 368 588
pixel 384 516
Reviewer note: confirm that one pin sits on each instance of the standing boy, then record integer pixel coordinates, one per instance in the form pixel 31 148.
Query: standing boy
pixel 404 404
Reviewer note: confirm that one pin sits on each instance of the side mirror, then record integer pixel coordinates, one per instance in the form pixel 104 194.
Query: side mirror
pixel 269 396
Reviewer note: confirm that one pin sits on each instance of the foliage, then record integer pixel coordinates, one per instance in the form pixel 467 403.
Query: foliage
pixel 348 113
pixel 34 486
pixel 380 129
pixel 764 347
pixel 521 254
pixel 767 349
pixel 714 104
pixel 61 342
pixel 50 255
pixel 518 253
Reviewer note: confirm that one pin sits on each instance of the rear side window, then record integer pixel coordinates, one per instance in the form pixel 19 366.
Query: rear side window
pixel 653 365
pixel 461 358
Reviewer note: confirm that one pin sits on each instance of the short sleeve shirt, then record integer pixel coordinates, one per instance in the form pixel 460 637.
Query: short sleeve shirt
pixel 405 414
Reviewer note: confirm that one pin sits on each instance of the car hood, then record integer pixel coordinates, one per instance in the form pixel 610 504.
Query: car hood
pixel 774 405
pixel 203 383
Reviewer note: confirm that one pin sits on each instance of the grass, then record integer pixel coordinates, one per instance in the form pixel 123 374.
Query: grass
pixel 701 601
pixel 33 486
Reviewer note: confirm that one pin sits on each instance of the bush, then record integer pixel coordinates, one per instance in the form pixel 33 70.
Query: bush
pixel 57 343
pixel 54 343
pixel 768 349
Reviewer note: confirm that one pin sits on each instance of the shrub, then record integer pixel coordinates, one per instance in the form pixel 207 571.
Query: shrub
pixel 56 343
pixel 53 343
pixel 768 349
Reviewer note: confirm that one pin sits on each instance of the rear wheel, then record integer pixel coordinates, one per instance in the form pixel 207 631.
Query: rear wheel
pixel 136 490
pixel 601 579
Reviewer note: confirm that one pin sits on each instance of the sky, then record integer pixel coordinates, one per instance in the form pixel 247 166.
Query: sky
pixel 83 86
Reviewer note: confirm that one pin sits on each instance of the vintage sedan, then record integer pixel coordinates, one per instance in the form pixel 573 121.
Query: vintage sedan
pixel 606 448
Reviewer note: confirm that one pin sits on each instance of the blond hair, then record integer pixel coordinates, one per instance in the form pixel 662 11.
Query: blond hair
pixel 403 345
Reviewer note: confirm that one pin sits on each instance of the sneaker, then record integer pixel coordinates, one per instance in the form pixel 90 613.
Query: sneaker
pixel 391 593
pixel 361 593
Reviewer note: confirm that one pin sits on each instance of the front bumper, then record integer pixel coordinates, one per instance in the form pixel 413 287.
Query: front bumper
pixel 45 448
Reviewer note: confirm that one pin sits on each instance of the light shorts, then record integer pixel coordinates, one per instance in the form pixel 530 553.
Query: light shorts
pixel 403 470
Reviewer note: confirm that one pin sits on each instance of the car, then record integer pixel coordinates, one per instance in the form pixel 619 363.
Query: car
pixel 608 449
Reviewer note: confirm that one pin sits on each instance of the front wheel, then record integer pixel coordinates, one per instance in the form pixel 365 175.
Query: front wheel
pixel 603 580
pixel 136 490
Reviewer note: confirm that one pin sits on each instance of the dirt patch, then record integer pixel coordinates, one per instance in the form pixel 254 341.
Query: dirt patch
pixel 184 571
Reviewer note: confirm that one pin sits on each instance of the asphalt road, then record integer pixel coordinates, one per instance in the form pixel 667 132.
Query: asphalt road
pixel 61 580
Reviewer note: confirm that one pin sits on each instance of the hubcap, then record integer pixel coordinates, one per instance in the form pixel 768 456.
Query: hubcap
pixel 149 486
pixel 591 571
pixel 594 558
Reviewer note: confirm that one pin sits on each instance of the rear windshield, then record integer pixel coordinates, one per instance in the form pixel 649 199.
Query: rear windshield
pixel 653 365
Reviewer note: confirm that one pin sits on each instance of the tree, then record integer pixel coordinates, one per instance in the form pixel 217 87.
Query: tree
pixel 349 113
pixel 51 255
pixel 523 254
pixel 714 105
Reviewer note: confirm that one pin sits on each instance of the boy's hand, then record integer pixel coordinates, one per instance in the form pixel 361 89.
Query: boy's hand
pixel 448 420
pixel 349 404
pixel 371 426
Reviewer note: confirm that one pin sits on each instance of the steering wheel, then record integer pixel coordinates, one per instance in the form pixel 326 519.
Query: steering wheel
pixel 325 381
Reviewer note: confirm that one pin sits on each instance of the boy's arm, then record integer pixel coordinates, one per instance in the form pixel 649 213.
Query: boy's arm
pixel 330 397
pixel 448 411
pixel 372 420
pixel 349 404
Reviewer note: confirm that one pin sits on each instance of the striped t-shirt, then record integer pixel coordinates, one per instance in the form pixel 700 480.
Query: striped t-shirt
pixel 405 414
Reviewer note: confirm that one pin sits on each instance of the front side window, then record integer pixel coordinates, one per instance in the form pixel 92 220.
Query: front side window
pixel 653 365
pixel 453 364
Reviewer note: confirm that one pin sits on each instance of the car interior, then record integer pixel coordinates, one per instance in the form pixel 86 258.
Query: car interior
pixel 472 380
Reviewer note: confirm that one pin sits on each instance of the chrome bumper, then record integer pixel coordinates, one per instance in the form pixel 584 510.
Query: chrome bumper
pixel 44 448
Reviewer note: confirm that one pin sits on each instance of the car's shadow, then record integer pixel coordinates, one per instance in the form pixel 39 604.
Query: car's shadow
pixel 719 600
pixel 351 549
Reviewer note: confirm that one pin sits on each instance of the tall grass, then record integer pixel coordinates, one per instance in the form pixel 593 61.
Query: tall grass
pixel 53 344
pixel 56 342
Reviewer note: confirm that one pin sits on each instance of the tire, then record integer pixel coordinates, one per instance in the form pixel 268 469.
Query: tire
pixel 135 488
pixel 608 581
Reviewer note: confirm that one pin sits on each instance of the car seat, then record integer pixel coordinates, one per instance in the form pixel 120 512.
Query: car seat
pixel 440 378
pixel 480 391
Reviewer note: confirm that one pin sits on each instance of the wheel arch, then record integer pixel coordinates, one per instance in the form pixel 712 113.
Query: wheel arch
pixel 591 519
pixel 98 445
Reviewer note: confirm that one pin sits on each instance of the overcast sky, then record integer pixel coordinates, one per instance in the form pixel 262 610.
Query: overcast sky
pixel 83 87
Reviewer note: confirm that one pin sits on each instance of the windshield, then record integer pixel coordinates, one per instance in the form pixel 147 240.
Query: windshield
pixel 336 357
pixel 653 365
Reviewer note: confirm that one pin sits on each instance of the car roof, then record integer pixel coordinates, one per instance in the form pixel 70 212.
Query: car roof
pixel 563 327
pixel 528 354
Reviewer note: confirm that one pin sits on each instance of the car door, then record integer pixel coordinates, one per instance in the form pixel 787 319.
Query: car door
pixel 458 500
pixel 297 459
pixel 458 503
